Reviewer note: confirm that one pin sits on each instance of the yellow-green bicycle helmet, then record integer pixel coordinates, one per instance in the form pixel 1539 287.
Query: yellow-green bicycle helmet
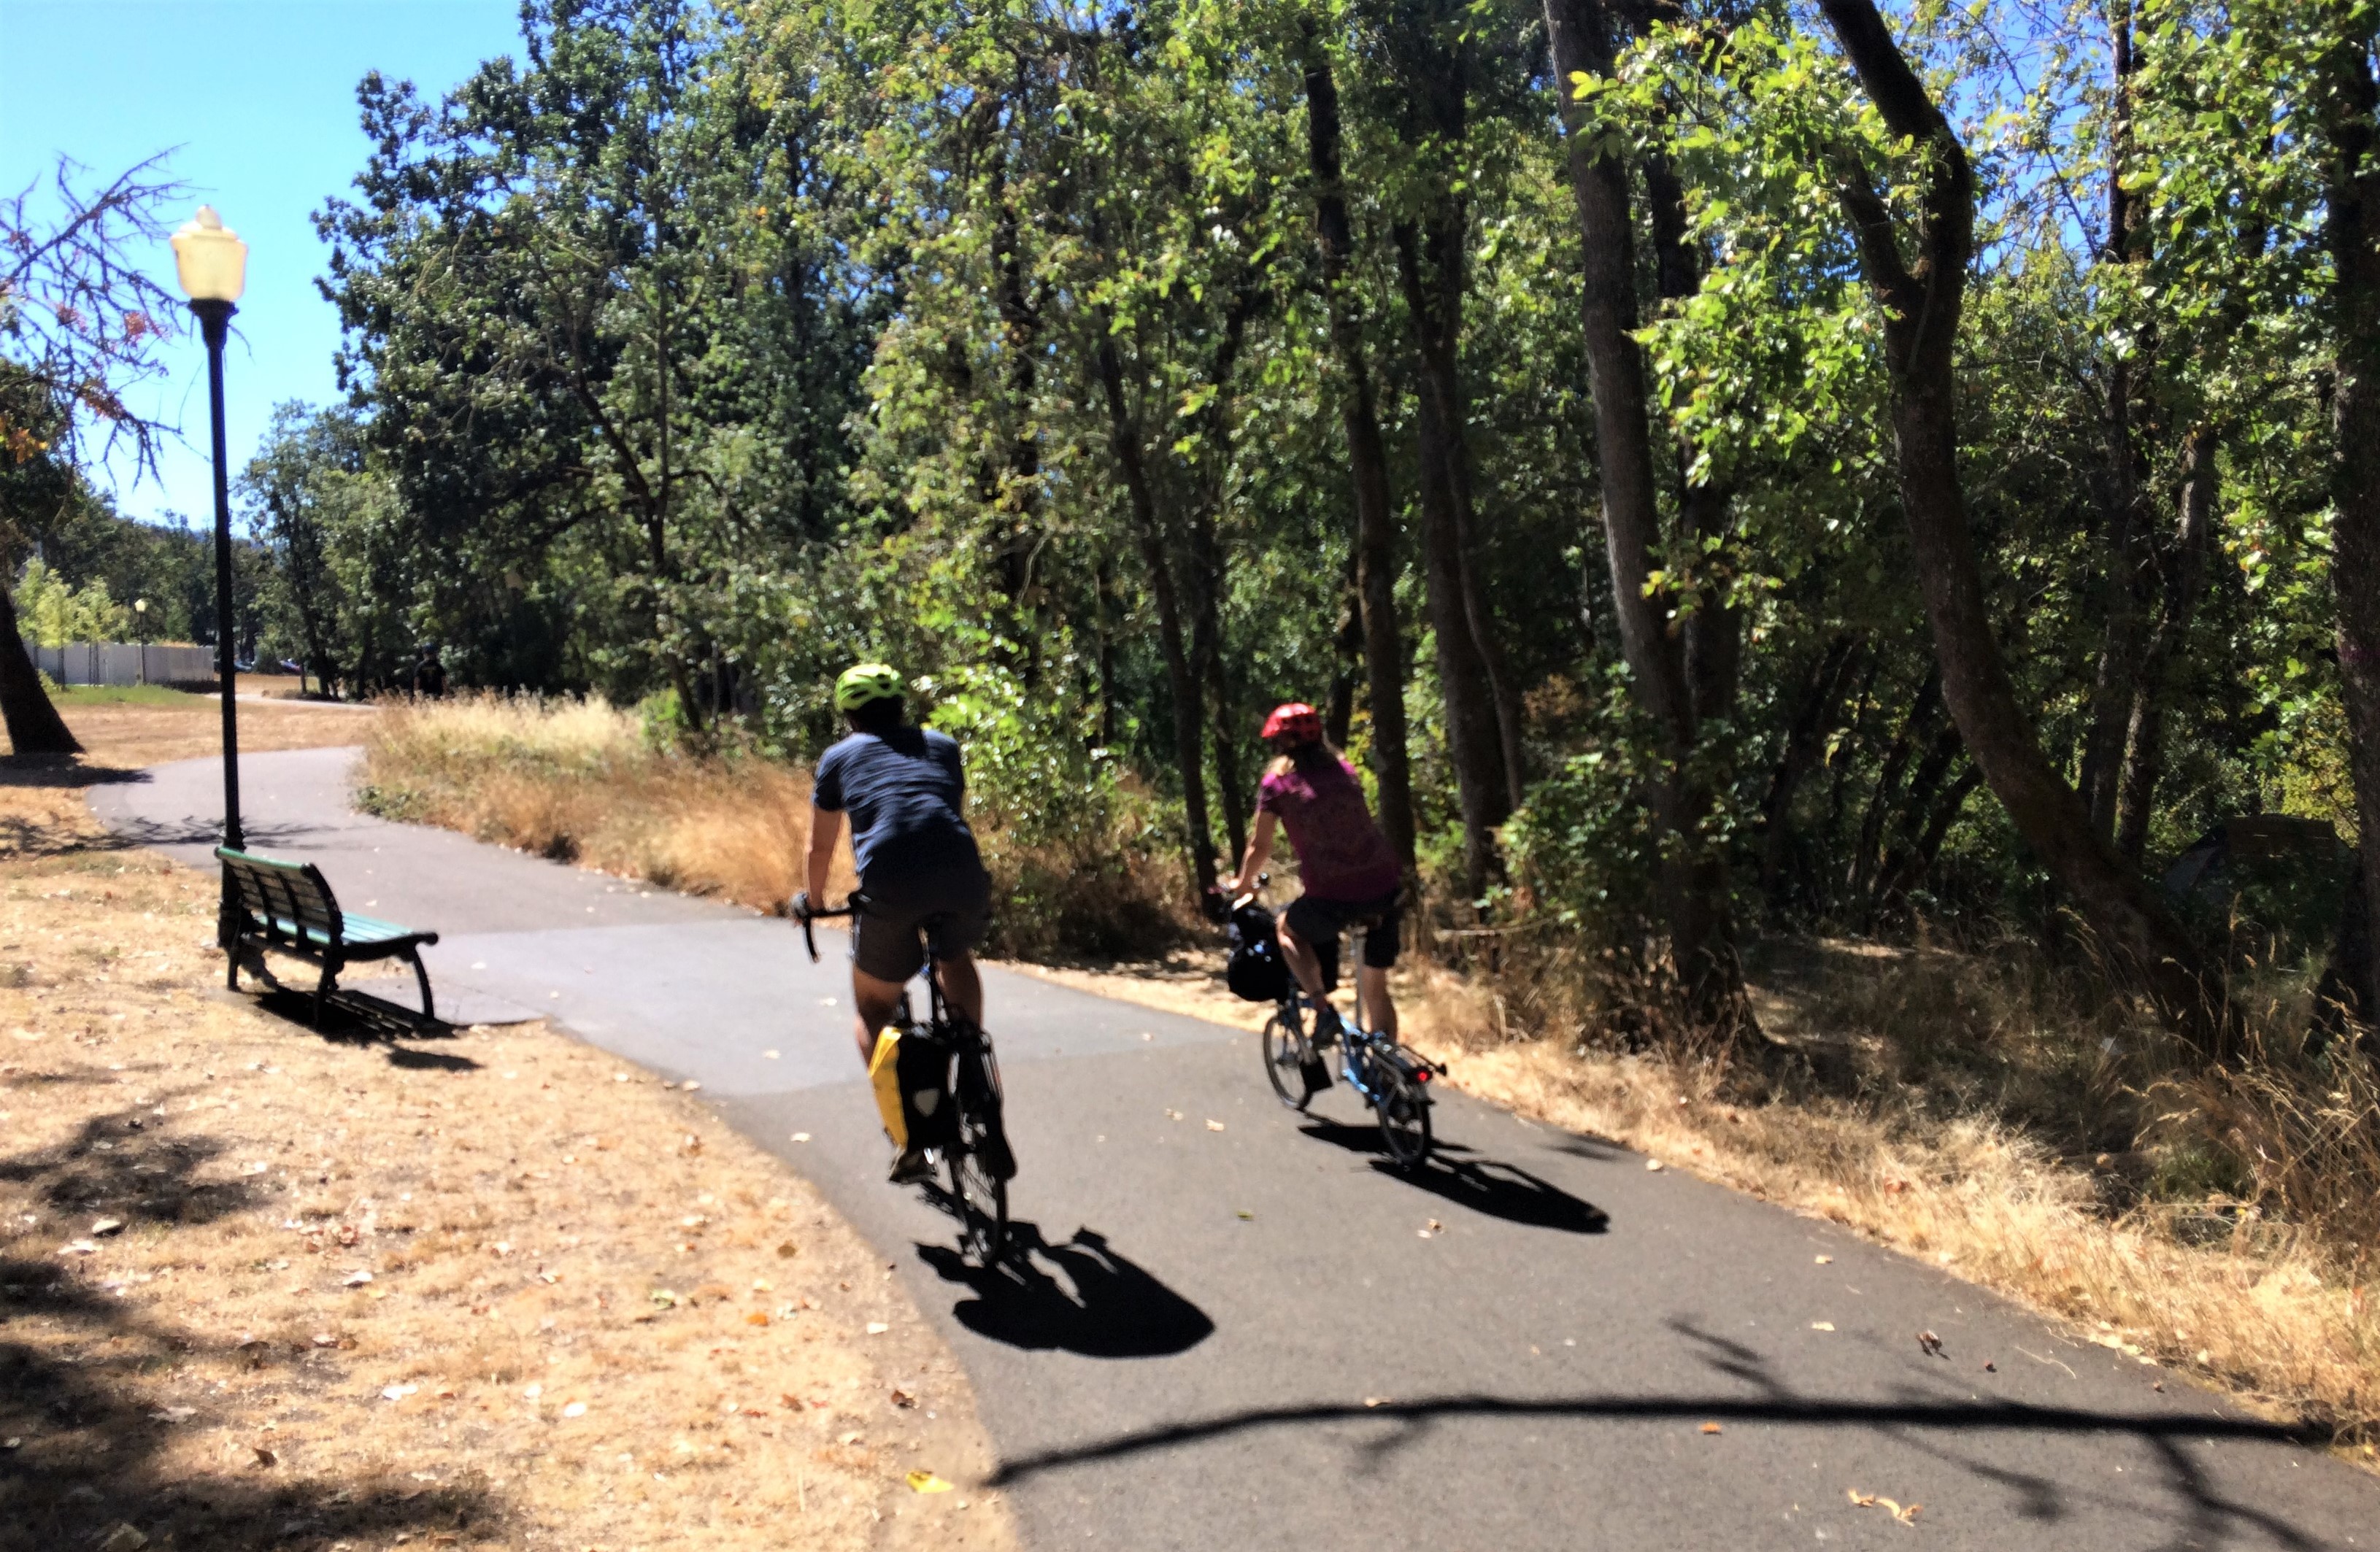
pixel 863 683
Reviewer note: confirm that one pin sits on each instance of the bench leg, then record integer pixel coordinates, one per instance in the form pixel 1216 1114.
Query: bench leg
pixel 231 953
pixel 421 974
pixel 323 989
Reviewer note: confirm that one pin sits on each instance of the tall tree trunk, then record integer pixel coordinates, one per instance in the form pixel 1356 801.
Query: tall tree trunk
pixel 1693 882
pixel 2128 559
pixel 1822 695
pixel 1347 641
pixel 1430 263
pixel 1207 582
pixel 2351 176
pixel 34 725
pixel 1472 734
pixel 1368 459
pixel 1884 799
pixel 2139 937
pixel 2185 580
pixel 1182 683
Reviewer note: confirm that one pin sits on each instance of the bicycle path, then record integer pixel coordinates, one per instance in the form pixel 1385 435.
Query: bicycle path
pixel 1230 1327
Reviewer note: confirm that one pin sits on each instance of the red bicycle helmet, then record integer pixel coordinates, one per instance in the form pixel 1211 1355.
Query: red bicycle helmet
pixel 1295 721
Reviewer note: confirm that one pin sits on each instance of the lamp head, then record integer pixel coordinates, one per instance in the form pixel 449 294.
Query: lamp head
pixel 209 258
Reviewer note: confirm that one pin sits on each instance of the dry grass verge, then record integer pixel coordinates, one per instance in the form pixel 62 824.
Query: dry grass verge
pixel 264 1287
pixel 579 781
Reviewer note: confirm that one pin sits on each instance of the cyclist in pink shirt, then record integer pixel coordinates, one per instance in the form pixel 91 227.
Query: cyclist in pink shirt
pixel 1347 867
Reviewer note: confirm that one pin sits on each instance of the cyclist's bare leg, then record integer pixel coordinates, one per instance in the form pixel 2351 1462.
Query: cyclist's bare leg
pixel 873 1005
pixel 1380 1010
pixel 963 986
pixel 1302 962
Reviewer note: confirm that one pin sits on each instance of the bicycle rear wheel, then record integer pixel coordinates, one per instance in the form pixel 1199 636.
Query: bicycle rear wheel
pixel 1403 1110
pixel 1284 1047
pixel 982 1200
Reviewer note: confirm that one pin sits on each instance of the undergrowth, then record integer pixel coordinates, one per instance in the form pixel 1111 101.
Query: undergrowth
pixel 585 782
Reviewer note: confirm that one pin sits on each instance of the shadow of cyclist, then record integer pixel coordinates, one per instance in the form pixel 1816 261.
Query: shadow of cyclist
pixel 1076 1297
pixel 1484 1185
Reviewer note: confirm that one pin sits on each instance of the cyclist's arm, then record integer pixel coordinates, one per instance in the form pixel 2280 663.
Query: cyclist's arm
pixel 826 829
pixel 1259 852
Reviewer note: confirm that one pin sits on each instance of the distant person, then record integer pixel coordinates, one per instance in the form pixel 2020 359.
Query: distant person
pixel 429 673
pixel 1347 867
pixel 905 792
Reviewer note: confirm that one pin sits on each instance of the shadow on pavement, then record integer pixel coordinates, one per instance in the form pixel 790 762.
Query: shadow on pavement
pixel 1484 1185
pixel 2205 1517
pixel 1116 1308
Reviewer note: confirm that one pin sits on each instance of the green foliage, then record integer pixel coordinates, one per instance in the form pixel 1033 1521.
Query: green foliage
pixel 55 612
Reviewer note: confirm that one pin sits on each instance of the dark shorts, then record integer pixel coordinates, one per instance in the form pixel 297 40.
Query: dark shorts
pixel 1320 923
pixel 887 938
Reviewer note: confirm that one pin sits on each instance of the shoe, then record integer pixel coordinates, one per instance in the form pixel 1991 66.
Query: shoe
pixel 912 1167
pixel 1327 1026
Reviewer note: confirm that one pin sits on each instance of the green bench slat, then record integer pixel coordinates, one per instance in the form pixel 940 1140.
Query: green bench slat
pixel 360 932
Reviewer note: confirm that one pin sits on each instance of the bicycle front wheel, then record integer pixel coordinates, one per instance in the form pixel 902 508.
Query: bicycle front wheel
pixel 1405 1117
pixel 1284 1057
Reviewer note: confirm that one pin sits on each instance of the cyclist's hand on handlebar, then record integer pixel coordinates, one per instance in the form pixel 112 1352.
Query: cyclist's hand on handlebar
pixel 800 908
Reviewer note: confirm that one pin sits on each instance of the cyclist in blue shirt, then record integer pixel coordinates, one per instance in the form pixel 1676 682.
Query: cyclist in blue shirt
pixel 904 792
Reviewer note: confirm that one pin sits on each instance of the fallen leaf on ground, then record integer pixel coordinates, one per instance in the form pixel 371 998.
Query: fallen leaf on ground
pixel 927 1481
pixel 173 1414
pixel 1822 1325
pixel 575 1408
pixel 1876 1500
pixel 106 1226
pixel 902 1398
pixel 125 1538
pixel 1173 1114
pixel 1930 1343
pixel 877 1328
pixel 398 1393
pixel 356 1279
pixel 1990 1367
pixel 1824 1260
pixel 265 1457
pixel 1375 1401
pixel 1654 1165
pixel 77 1247
pixel 1246 1215
pixel 1710 1427
pixel 1213 1125
pixel 801 1136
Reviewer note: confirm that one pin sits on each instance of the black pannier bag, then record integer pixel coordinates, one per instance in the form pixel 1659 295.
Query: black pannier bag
pixel 1255 973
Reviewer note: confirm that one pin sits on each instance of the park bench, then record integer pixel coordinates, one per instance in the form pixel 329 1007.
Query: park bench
pixel 288 906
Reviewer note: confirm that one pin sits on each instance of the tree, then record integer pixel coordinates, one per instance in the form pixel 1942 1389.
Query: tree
pixel 80 324
pixel 1920 298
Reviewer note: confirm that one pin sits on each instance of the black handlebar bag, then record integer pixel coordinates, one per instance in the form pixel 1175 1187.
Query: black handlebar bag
pixel 1256 972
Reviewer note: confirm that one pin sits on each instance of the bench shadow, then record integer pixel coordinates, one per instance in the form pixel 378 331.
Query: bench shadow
pixel 1115 1308
pixel 357 1018
pixel 1484 1185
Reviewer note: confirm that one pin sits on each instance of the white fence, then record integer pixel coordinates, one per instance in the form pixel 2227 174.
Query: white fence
pixel 122 662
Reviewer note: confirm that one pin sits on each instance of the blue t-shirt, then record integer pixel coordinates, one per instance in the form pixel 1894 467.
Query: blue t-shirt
pixel 904 792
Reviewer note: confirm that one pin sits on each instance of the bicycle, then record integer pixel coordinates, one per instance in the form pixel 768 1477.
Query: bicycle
pixel 1391 1080
pixel 973 1149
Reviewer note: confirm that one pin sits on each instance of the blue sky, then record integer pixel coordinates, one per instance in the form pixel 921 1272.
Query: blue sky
pixel 260 97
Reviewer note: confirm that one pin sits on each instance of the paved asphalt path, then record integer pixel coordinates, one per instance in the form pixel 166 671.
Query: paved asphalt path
pixel 1241 1338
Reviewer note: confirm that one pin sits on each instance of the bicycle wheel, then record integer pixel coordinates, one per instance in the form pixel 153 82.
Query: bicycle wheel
pixel 981 1197
pixel 1284 1047
pixel 1404 1116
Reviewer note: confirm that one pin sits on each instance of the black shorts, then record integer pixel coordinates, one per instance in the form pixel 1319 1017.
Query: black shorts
pixel 887 937
pixel 1320 922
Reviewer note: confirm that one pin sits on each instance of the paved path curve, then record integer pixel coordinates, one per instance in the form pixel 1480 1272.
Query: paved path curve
pixel 1240 1338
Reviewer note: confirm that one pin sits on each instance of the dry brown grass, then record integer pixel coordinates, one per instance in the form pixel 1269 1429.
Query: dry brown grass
pixel 576 781
pixel 126 737
pixel 580 782
pixel 594 1317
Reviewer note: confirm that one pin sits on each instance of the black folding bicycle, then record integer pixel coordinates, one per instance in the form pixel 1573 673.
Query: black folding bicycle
pixel 973 1146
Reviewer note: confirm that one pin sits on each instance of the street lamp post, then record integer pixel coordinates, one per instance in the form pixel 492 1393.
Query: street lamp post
pixel 213 264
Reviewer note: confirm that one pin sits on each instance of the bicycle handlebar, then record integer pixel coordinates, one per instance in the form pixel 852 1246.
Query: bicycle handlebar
pixel 806 913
